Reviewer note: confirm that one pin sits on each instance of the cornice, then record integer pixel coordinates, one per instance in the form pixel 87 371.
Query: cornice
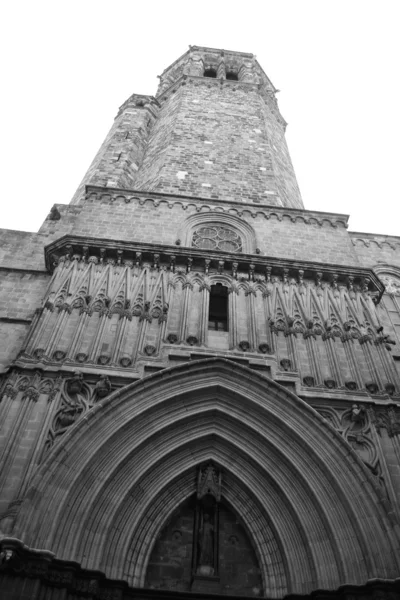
pixel 222 50
pixel 373 236
pixel 206 49
pixel 229 206
pixel 84 248
pixel 375 240
pixel 183 79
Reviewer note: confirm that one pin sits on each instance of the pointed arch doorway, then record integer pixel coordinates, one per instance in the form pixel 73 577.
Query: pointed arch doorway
pixel 310 509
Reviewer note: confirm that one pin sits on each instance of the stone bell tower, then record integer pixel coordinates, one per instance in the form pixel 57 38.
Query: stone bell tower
pixel 213 130
pixel 200 384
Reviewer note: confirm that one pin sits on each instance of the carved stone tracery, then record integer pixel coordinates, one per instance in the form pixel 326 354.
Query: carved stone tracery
pixel 217 238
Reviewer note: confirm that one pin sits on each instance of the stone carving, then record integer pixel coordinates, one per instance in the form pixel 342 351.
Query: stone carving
pixel 264 348
pixel 351 385
pixel 276 287
pixel 103 386
pixel 125 361
pixel 330 383
pixel 309 332
pixel 372 387
pixel 145 313
pixel 356 430
pixel 286 364
pixel 355 427
pixel 213 237
pixel 388 419
pixel 290 328
pixel 75 383
pixel 67 416
pixel 149 349
pixel 244 346
pixel 164 314
pixel 384 339
pixel 357 413
pixel 309 381
pixel 392 284
pixel 30 386
pixel 59 355
pixel 390 389
pixel 172 338
pixel 103 359
pixel 76 399
pixel 192 340
pixel 209 483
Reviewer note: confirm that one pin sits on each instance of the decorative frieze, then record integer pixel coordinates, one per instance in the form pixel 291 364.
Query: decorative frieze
pixel 113 307
pixel 113 196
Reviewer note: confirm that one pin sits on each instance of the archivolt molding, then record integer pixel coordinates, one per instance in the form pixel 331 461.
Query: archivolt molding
pixel 311 507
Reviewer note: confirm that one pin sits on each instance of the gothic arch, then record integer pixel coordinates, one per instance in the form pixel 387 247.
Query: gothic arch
pixel 312 509
pixel 237 224
pixel 385 268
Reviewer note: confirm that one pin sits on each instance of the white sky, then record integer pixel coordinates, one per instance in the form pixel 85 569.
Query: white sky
pixel 68 66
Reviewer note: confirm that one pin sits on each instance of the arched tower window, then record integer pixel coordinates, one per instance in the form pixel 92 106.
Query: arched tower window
pixel 232 76
pixel 213 237
pixel 210 73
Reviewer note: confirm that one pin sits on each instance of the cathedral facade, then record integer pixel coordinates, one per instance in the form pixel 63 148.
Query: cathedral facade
pixel 200 379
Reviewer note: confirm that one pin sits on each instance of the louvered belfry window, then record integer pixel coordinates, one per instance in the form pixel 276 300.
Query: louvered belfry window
pixel 213 237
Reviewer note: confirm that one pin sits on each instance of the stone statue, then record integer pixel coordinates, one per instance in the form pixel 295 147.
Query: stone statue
pixel 75 383
pixel 206 543
pixel 103 386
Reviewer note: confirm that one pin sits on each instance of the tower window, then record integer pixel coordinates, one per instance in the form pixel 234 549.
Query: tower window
pixel 217 238
pixel 218 311
pixel 232 76
pixel 210 73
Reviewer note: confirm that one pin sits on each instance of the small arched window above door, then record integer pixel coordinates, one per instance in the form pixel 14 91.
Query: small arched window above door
pixel 217 231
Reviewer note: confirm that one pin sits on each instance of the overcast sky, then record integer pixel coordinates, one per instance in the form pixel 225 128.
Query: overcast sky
pixel 68 66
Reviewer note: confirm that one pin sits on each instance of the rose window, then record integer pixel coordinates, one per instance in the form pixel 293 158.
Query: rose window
pixel 217 238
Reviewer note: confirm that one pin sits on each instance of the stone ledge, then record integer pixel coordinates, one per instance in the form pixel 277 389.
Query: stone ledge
pixel 129 195
pixel 80 248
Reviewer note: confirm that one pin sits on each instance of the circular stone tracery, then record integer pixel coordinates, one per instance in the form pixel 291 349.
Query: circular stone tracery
pixel 217 238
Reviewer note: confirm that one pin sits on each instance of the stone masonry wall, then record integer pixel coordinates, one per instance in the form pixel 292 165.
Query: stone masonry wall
pixel 23 284
pixel 119 157
pixel 302 235
pixel 221 141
